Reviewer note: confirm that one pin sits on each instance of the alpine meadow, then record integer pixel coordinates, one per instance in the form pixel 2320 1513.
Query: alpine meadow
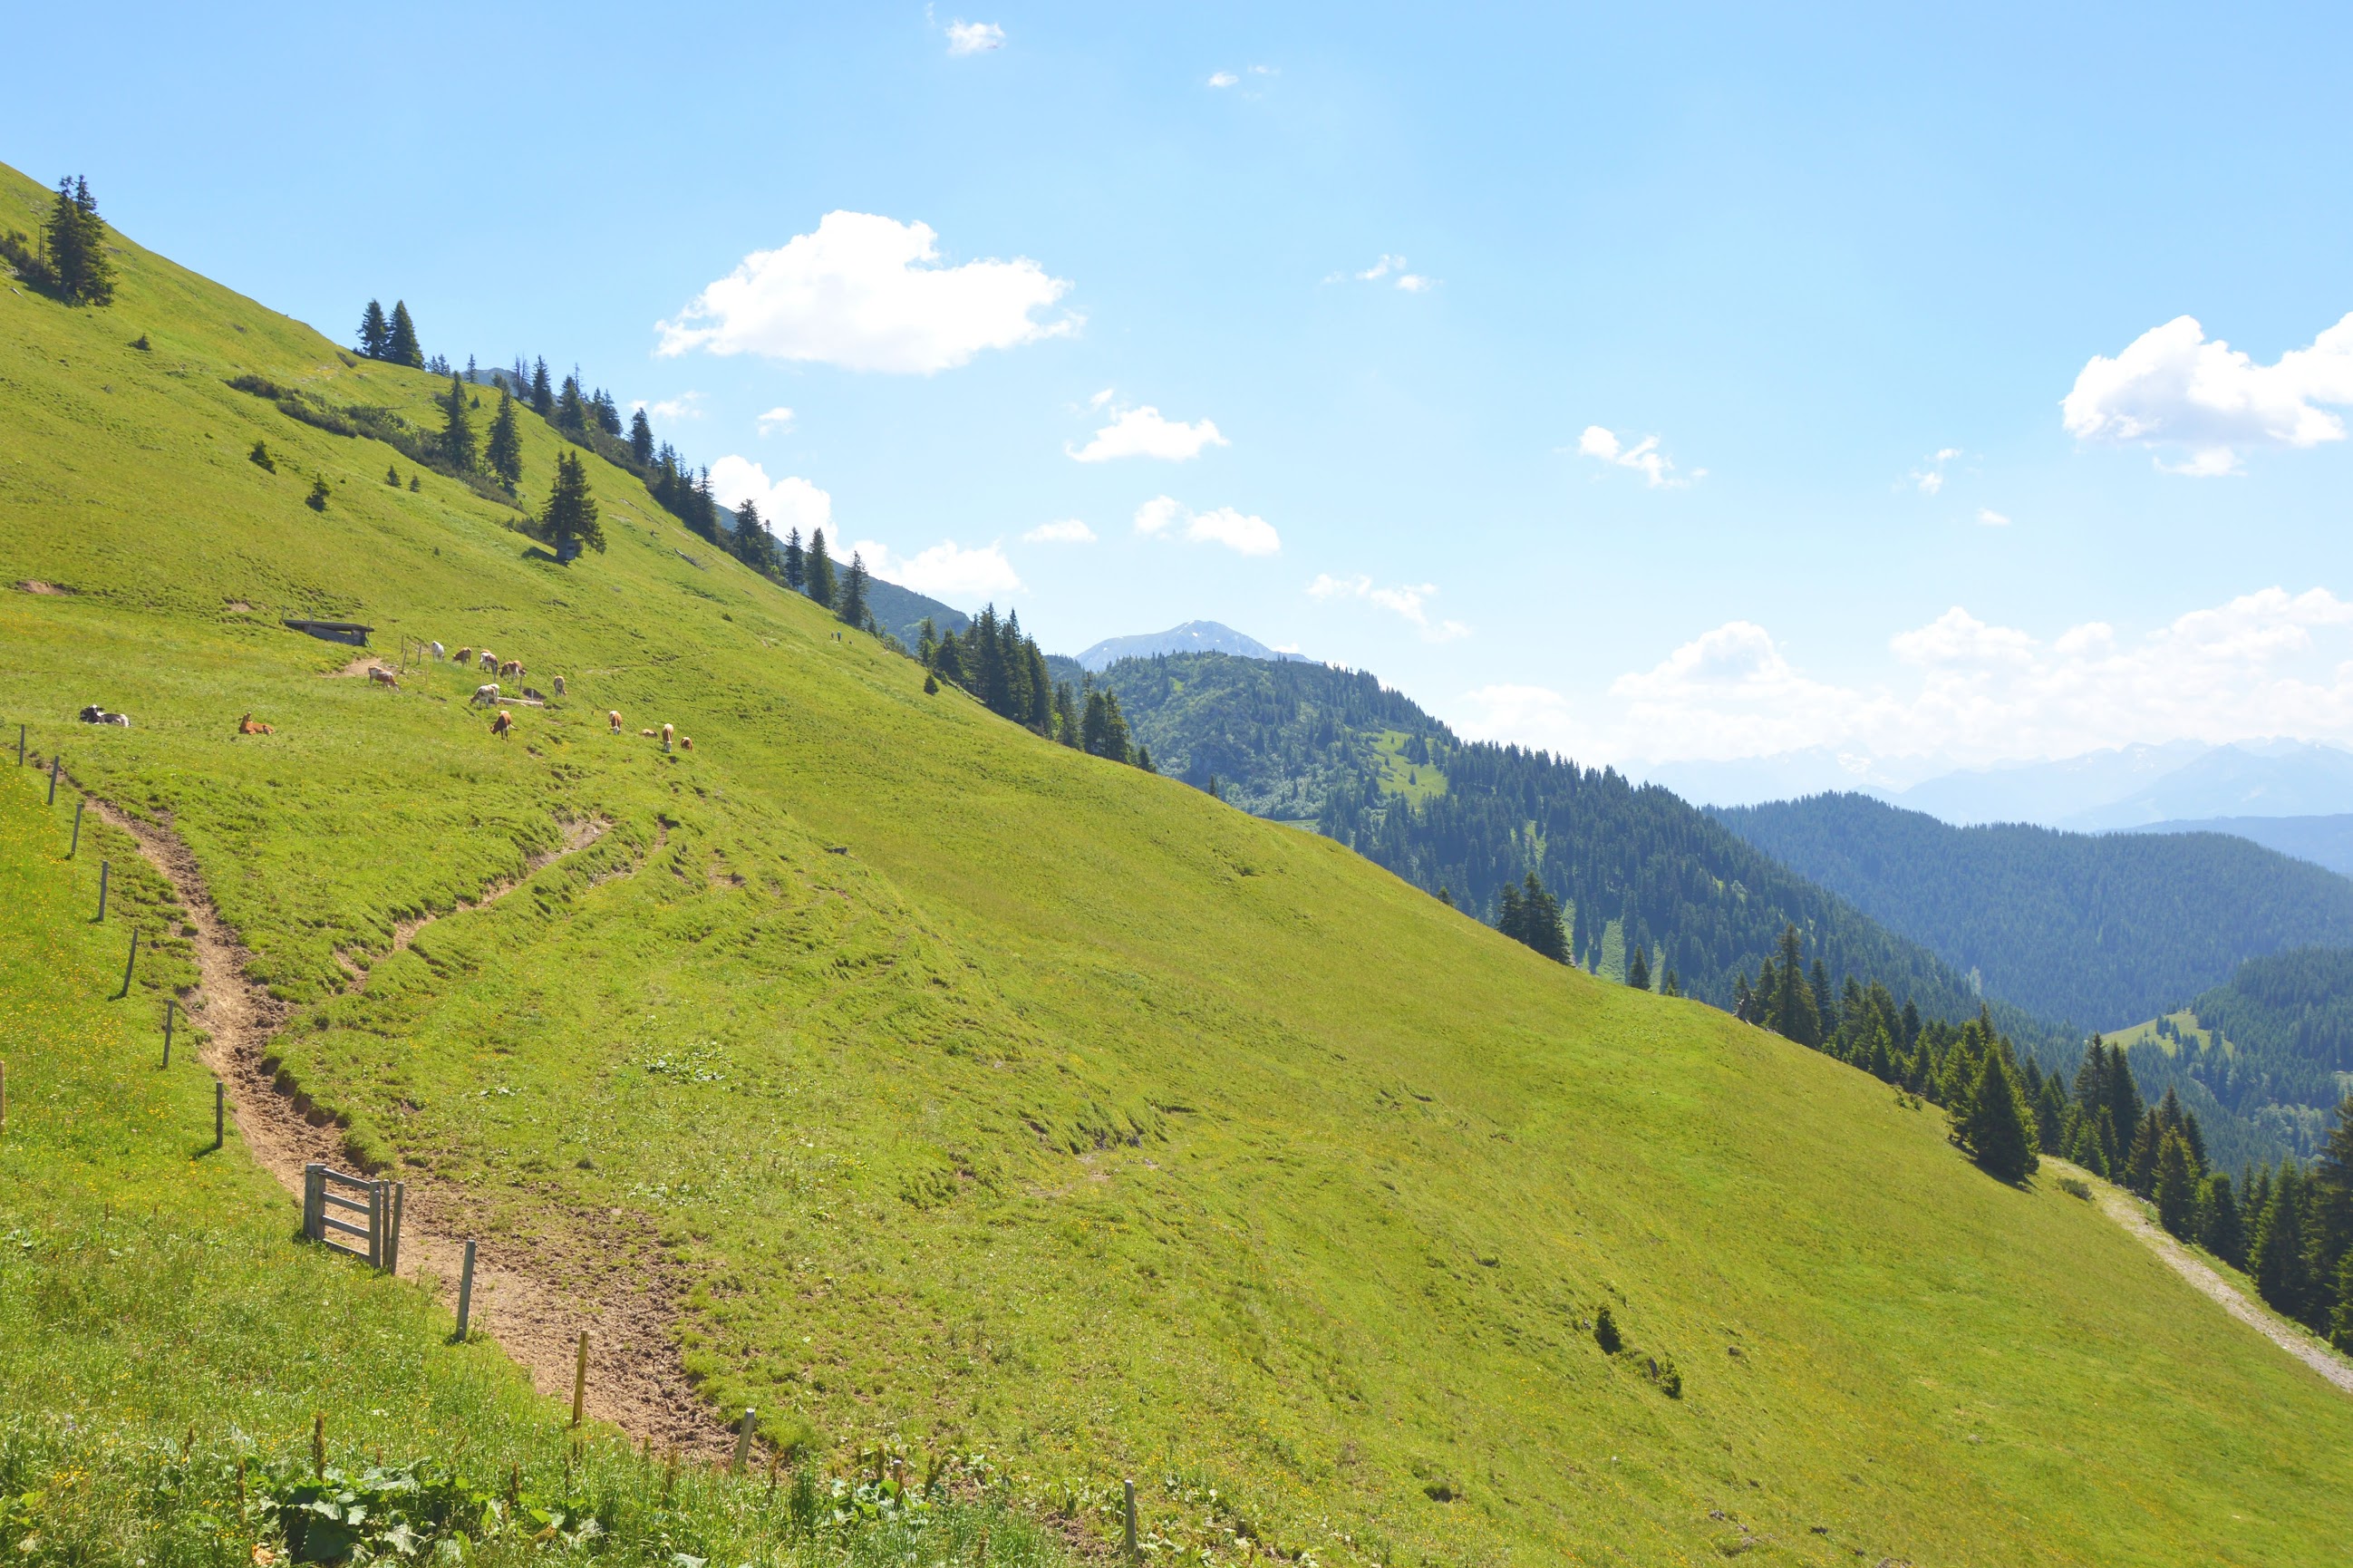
pixel 997 1122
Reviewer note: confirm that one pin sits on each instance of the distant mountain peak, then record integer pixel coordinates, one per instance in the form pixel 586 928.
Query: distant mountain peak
pixel 1192 637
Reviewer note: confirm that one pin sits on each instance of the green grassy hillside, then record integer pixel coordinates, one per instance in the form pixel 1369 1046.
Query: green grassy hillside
pixel 973 1093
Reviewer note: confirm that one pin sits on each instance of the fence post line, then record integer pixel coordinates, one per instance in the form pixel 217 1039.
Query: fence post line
pixel 104 867
pixel 375 1224
pixel 580 1380
pixel 314 1191
pixel 392 1244
pixel 170 1005
pixel 20 745
pixel 465 1292
pixel 54 762
pixel 220 1106
pixel 76 847
pixel 744 1439
pixel 1130 1488
pixel 127 964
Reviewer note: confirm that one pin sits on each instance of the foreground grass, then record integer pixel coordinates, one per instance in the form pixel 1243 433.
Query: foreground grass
pixel 166 1344
pixel 990 1097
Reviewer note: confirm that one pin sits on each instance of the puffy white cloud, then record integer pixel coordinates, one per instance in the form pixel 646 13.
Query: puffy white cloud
pixel 974 37
pixel 1067 531
pixel 784 504
pixel 1223 78
pixel 868 293
pixel 775 419
pixel 2267 663
pixel 1391 269
pixel 1240 532
pixel 685 405
pixel 1929 480
pixel 1410 601
pixel 2174 389
pixel 1644 457
pixel 947 570
pixel 1144 432
pixel 1989 518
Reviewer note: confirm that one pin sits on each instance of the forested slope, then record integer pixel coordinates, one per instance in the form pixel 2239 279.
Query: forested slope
pixel 967 1094
pixel 1630 863
pixel 2102 931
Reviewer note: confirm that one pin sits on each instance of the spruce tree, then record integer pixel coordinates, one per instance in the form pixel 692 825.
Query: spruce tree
pixel 542 390
pixel 1637 972
pixel 2219 1229
pixel 1104 728
pixel 606 412
pixel 2175 1188
pixel 457 429
pixel 374 330
pixel 569 521
pixel 504 453
pixel 76 243
pixel 796 563
pixel 817 566
pixel 571 411
pixel 1993 1130
pixel 2340 1320
pixel 317 499
pixel 2276 1257
pixel 2140 1162
pixel 400 345
pixel 852 609
pixel 2331 1241
pixel 641 437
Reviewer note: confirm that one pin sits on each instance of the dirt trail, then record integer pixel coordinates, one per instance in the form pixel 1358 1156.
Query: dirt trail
pixel 2310 1351
pixel 522 1297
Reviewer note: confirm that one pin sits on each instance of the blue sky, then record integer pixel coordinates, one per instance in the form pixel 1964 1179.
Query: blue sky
pixel 1434 277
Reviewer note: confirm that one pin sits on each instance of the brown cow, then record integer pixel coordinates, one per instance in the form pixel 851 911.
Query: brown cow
pixel 686 742
pixel 510 667
pixel 668 730
pixel 614 718
pixel 465 655
pixel 559 685
pixel 502 723
pixel 383 677
pixel 249 725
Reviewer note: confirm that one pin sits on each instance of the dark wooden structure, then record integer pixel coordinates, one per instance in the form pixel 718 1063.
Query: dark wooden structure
pixel 350 632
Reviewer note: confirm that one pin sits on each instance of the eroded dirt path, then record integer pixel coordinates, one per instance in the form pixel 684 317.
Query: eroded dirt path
pixel 2310 1351
pixel 520 1296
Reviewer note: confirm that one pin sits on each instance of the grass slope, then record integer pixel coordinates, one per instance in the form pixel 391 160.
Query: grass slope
pixel 994 1095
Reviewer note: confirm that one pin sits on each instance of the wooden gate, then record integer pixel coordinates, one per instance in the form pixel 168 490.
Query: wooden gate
pixel 375 1236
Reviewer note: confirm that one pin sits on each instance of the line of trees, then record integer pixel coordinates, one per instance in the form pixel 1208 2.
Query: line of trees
pixel 392 338
pixel 1002 665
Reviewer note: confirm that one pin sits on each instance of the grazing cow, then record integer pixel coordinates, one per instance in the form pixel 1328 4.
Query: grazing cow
pixel 250 725
pixel 94 714
pixel 502 723
pixel 668 730
pixel 559 685
pixel 489 662
pixel 383 677
pixel 508 667
pixel 436 650
pixel 686 742
pixel 465 655
pixel 486 695
pixel 614 718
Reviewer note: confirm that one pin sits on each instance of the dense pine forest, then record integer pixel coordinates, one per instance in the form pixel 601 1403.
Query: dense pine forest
pixel 2104 930
pixel 1634 869
pixel 2273 1044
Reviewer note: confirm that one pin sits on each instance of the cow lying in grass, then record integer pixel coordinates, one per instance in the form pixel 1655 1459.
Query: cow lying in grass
pixel 250 725
pixel 94 714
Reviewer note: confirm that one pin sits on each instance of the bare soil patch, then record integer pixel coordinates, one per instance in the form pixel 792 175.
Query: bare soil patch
pixel 35 585
pixel 601 1273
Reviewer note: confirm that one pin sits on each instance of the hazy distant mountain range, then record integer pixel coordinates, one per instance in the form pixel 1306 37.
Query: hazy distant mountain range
pixel 1192 637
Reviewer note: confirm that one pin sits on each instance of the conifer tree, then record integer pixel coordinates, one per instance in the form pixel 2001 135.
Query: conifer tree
pixel 504 455
pixel 1067 721
pixel 1104 728
pixel 606 412
pixel 817 566
pixel 75 239
pixel 2219 1229
pixel 796 563
pixel 2331 1239
pixel 2276 1257
pixel 569 521
pixel 1673 986
pixel 400 345
pixel 571 411
pixel 641 437
pixel 852 609
pixel 374 330
pixel 457 429
pixel 2175 1188
pixel 317 499
pixel 1637 972
pixel 1993 1128
pixel 542 390
pixel 2140 1162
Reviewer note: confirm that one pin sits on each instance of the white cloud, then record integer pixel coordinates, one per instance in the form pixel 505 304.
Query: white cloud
pixel 1143 433
pixel 1930 480
pixel 974 37
pixel 947 570
pixel 1990 518
pixel 685 405
pixel 1408 602
pixel 775 419
pixel 1644 457
pixel 1392 270
pixel 2173 389
pixel 868 293
pixel 1240 532
pixel 1223 78
pixel 785 504
pixel 2264 663
pixel 1067 531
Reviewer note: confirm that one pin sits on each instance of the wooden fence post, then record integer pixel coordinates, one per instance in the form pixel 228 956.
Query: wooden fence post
pixel 4 1097
pixel 465 1292
pixel 743 1438
pixel 171 1005
pixel 1131 1520
pixel 20 745
pixel 127 964
pixel 375 1224
pixel 220 1108
pixel 75 848
pixel 104 867
pixel 580 1380
pixel 54 762
pixel 392 1240
pixel 314 1199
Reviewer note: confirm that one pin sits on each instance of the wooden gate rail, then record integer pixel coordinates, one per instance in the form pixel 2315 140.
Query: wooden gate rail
pixel 379 1203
